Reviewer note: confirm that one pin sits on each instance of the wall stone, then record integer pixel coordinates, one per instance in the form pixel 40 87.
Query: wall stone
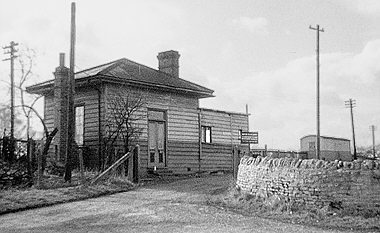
pixel 313 183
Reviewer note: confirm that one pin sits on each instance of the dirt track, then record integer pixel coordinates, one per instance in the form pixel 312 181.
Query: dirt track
pixel 174 207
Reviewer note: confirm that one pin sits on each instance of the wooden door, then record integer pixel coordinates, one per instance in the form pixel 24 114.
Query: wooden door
pixel 157 156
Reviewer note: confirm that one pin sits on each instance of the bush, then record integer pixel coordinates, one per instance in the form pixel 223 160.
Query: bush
pixel 14 174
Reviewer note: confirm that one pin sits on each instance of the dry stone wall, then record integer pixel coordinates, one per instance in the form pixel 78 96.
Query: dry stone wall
pixel 313 183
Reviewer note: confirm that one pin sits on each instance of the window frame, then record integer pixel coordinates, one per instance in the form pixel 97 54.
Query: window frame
pixel 75 124
pixel 240 132
pixel 206 128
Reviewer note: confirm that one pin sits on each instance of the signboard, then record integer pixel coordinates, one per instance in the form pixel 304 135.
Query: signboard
pixel 249 137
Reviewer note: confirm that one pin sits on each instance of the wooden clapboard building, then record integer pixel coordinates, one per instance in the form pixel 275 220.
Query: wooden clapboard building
pixel 175 133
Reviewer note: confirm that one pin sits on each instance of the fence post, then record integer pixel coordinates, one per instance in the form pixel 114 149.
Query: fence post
pixel 235 161
pixel 1 148
pixel 136 154
pixel 29 157
pixel 81 166
pixel 39 169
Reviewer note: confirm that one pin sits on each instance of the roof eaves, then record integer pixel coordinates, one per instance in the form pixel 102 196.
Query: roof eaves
pixel 224 112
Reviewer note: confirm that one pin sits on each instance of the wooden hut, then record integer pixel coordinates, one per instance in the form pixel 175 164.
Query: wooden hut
pixel 175 134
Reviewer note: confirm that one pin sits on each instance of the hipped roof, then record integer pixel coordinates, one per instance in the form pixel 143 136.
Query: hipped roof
pixel 125 71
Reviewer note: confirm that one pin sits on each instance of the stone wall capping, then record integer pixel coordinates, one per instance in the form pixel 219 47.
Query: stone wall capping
pixel 319 164
pixel 294 163
pixel 258 160
pixel 326 164
pixel 298 164
pixel 265 160
pixel 305 164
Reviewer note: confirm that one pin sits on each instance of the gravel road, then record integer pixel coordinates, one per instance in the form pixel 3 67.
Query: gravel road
pixel 174 207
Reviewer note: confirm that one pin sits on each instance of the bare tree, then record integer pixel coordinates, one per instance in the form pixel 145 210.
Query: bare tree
pixel 122 123
pixel 48 135
pixel 26 64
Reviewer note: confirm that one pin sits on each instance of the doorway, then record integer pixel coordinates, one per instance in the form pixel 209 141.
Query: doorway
pixel 157 144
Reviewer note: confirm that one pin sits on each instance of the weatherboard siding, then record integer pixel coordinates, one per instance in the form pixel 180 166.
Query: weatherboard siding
pixel 49 112
pixel 181 123
pixel 225 126
pixel 183 152
pixel 49 109
pixel 88 97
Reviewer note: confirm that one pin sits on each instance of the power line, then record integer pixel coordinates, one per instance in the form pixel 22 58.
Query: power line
pixel 11 50
pixel 318 146
pixel 351 104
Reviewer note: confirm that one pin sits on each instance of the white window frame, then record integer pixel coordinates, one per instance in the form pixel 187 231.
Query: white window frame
pixel 206 134
pixel 79 129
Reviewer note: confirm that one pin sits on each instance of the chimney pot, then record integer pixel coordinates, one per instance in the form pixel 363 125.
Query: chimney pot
pixel 62 59
pixel 168 62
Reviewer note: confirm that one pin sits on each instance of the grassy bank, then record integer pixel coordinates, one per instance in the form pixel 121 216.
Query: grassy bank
pixel 274 208
pixel 13 200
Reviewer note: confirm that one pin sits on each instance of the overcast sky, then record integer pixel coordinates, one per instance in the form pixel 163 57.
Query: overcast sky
pixel 255 52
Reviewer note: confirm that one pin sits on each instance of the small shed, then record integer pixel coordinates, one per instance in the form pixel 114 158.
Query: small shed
pixel 331 148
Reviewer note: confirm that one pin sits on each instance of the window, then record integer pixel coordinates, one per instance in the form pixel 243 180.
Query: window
pixel 206 134
pixel 239 134
pixel 79 124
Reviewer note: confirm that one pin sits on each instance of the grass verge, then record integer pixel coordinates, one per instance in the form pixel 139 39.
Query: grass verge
pixel 13 200
pixel 276 209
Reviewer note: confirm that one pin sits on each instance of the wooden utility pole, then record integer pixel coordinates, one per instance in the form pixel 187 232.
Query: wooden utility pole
pixel 70 100
pixel 351 104
pixel 373 128
pixel 12 50
pixel 247 112
pixel 318 141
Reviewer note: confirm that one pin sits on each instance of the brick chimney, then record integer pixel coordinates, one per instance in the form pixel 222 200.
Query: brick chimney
pixel 168 62
pixel 60 107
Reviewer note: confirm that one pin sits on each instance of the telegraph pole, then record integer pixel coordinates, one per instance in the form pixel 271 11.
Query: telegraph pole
pixel 70 100
pixel 12 50
pixel 247 112
pixel 318 144
pixel 373 128
pixel 351 104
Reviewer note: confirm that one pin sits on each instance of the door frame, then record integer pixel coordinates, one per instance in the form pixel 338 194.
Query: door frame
pixel 165 121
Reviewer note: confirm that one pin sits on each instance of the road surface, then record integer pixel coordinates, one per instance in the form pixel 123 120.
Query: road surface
pixel 175 207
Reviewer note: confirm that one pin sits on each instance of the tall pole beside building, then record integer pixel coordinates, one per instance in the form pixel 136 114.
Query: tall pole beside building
pixel 12 50
pixel 70 100
pixel 373 128
pixel 351 104
pixel 318 141
pixel 247 112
